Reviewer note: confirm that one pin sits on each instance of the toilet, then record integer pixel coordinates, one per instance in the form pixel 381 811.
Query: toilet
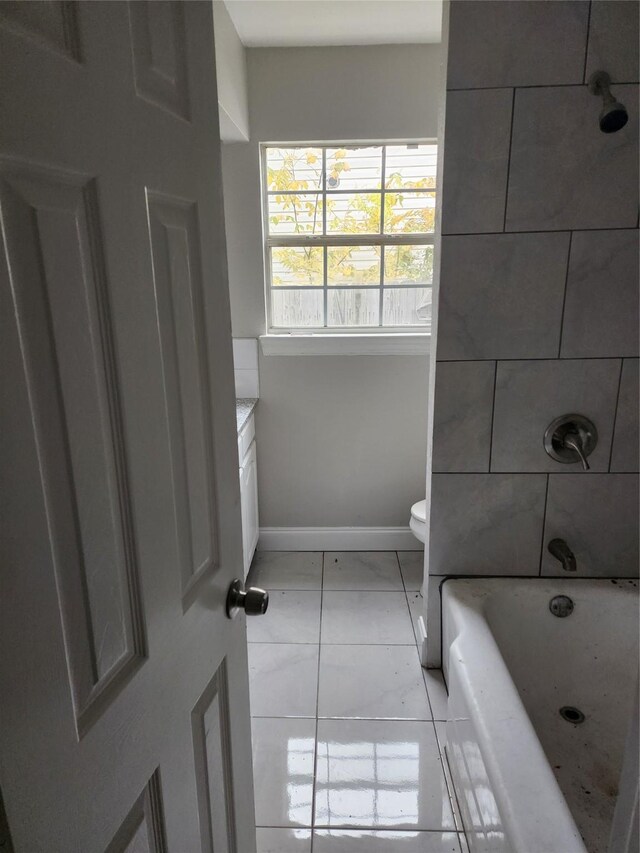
pixel 418 520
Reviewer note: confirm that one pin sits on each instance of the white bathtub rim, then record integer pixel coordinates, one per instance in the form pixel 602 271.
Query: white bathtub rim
pixel 551 822
pixel 501 723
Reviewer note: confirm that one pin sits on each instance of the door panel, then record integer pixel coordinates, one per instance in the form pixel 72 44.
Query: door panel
pixel 143 829
pixel 54 24
pixel 175 251
pixel 52 239
pixel 210 721
pixel 121 513
pixel 160 55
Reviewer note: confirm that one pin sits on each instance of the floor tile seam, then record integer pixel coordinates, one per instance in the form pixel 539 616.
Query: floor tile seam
pixel 404 721
pixel 394 645
pixel 344 719
pixel 375 828
pixel 399 589
pixel 282 643
pixel 424 679
pixel 363 589
pixel 366 645
pixel 325 827
pixel 457 814
pixel 315 740
pixel 455 811
pixel 278 717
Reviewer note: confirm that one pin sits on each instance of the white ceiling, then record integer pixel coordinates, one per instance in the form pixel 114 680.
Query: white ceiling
pixel 291 23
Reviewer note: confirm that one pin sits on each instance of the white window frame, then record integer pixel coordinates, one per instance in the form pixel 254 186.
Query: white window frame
pixel 347 339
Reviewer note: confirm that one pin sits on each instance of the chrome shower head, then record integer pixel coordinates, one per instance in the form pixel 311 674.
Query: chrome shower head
pixel 614 115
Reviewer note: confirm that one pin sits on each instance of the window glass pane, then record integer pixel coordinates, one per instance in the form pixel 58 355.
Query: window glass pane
pixel 353 265
pixel 409 213
pixel 295 214
pixel 353 307
pixel 406 307
pixel 296 169
pixel 357 213
pixel 295 308
pixel 297 266
pixel 408 265
pixel 354 168
pixel 410 166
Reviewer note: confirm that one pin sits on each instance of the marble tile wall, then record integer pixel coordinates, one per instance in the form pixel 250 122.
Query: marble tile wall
pixel 538 302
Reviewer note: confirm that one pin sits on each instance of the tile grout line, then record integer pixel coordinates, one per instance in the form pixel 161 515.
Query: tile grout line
pixel 506 188
pixel 493 412
pixel 413 628
pixel 454 796
pixel 615 417
pixel 586 44
pixel 538 358
pixel 450 793
pixel 544 524
pixel 416 638
pixel 633 227
pixel 564 296
pixel 441 753
pixel 315 744
pixel 576 85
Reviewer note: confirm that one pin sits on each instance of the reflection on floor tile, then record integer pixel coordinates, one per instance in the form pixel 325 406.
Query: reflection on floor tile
pixel 293 616
pixel 366 617
pixel 383 841
pixel 362 570
pixel 380 774
pixel 283 679
pixel 372 682
pixel 283 756
pixel 412 568
pixel 286 570
pixel 278 840
pixel 341 661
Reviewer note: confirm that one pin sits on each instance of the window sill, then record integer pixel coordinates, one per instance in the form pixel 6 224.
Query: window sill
pixel 399 343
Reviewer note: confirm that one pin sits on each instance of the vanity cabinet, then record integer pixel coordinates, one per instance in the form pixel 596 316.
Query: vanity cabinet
pixel 248 491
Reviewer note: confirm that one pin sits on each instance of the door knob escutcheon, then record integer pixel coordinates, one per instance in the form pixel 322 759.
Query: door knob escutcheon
pixel 254 601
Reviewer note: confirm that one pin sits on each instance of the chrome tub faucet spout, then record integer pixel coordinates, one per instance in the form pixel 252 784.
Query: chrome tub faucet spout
pixel 562 552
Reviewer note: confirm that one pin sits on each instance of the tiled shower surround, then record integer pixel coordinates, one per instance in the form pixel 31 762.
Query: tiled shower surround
pixel 538 295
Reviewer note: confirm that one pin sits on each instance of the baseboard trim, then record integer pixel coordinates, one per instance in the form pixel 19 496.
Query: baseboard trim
pixel 337 539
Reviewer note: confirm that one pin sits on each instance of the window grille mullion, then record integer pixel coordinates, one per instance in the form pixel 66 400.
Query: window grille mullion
pixel 383 177
pixel 325 252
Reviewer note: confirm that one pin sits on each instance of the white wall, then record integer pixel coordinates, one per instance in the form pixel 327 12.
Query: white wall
pixel 341 439
pixel 343 93
pixel 231 72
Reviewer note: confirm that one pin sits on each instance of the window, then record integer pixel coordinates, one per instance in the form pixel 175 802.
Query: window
pixel 349 236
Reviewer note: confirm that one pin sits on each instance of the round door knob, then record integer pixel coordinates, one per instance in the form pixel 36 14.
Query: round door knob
pixel 254 601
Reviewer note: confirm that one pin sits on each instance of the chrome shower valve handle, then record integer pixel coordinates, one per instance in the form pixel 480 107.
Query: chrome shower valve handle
pixel 570 439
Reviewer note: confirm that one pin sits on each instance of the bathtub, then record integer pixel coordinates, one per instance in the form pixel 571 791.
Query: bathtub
pixel 529 780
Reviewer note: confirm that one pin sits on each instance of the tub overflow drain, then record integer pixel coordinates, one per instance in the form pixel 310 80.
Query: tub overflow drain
pixel 561 605
pixel 571 714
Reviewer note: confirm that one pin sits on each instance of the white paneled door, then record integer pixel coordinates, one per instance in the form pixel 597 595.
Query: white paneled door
pixel 123 686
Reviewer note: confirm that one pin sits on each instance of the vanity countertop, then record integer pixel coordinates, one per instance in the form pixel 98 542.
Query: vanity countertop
pixel 244 408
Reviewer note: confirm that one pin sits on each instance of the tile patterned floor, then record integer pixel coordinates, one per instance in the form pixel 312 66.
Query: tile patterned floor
pixel 347 727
